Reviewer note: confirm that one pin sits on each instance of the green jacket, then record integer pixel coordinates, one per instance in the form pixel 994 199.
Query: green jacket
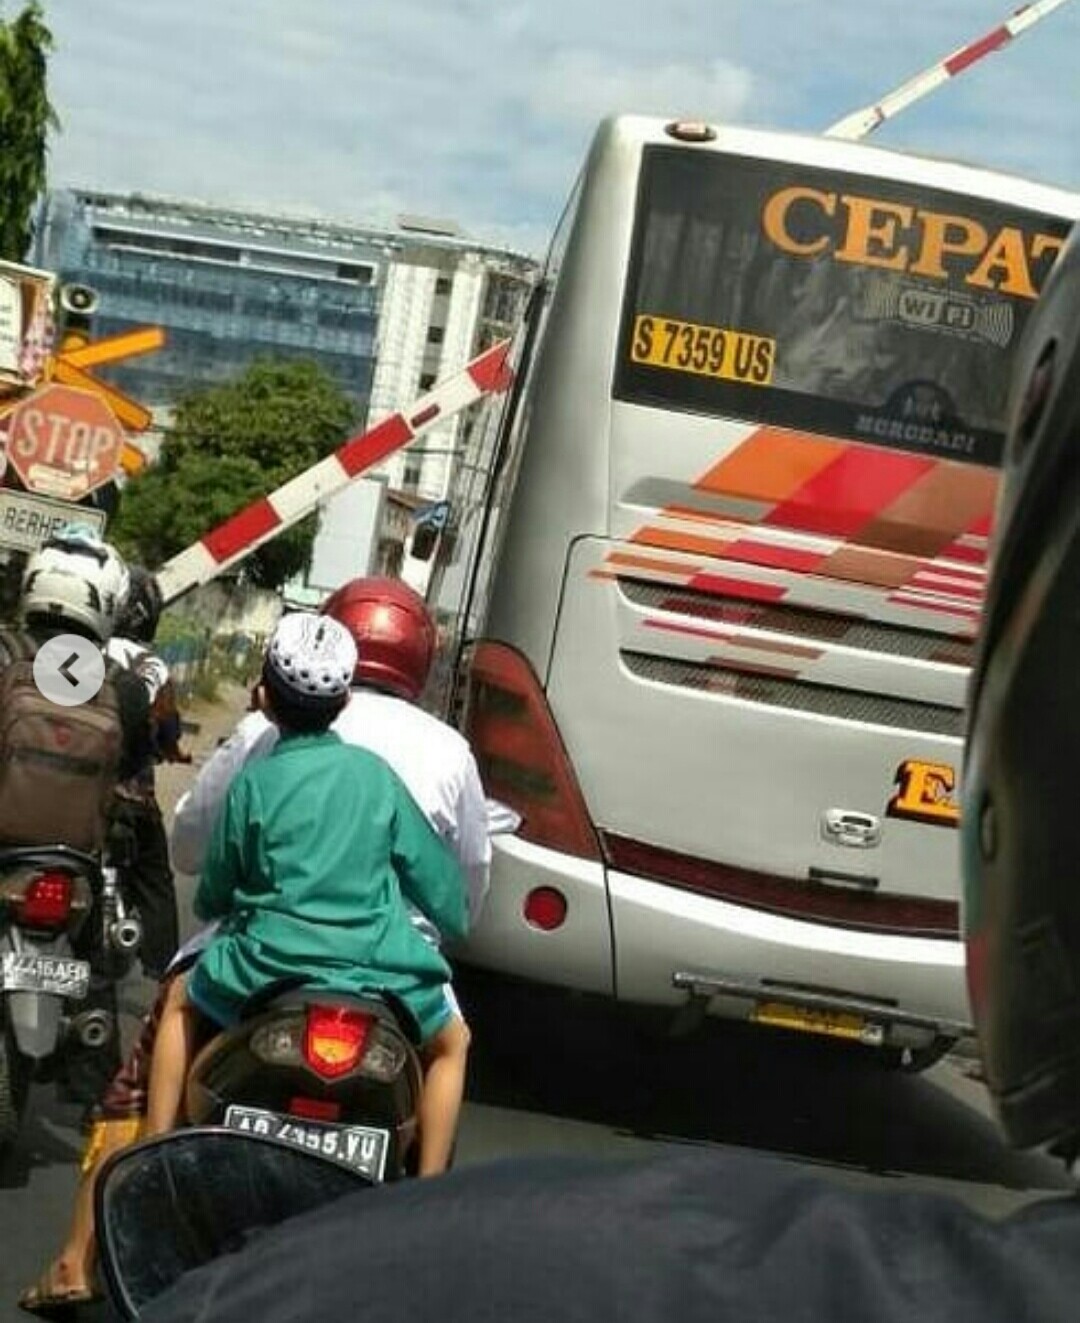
pixel 307 866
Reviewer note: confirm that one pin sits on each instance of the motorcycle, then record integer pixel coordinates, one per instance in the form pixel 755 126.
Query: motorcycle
pixel 310 1096
pixel 50 949
pixel 46 897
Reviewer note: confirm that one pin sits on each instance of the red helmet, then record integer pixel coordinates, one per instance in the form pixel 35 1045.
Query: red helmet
pixel 393 631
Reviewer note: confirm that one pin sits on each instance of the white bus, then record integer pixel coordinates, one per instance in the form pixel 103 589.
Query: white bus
pixel 720 586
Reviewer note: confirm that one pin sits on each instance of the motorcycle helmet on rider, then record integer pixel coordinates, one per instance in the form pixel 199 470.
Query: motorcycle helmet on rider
pixel 75 583
pixel 141 609
pixel 393 632
pixel 1020 830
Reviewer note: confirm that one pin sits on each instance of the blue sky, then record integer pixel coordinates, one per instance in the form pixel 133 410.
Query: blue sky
pixel 480 111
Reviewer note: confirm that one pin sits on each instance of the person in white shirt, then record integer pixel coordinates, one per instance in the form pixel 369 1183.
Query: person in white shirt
pixel 395 640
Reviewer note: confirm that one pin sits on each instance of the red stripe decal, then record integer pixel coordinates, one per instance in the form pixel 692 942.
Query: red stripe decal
pixel 970 555
pixel 850 491
pixel 722 583
pixel 781 558
pixel 942 566
pixel 993 41
pixel 362 451
pixel 982 527
pixel 932 584
pixel 241 531
pixel 697 631
pixel 968 612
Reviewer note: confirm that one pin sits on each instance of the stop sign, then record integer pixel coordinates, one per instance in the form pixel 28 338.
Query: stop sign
pixel 64 442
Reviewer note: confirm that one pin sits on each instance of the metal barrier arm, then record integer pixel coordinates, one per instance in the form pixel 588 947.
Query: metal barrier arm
pixel 240 535
pixel 861 123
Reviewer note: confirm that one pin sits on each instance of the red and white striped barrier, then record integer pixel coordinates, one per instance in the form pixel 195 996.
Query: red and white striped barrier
pixel 861 123
pixel 263 519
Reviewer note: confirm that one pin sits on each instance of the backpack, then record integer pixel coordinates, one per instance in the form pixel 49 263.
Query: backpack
pixel 58 765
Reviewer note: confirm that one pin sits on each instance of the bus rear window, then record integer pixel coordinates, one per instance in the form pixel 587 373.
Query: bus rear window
pixel 828 302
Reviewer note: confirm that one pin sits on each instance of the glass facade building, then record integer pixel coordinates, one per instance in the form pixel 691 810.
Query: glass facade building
pixel 228 287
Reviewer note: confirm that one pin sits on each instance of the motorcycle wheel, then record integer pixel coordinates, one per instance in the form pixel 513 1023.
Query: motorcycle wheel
pixel 14 1086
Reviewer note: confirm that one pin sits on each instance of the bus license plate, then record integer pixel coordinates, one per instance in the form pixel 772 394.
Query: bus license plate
pixel 58 975
pixel 361 1149
pixel 831 1024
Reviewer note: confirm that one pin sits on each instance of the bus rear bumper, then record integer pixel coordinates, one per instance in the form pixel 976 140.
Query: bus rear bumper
pixel 655 945
pixel 675 948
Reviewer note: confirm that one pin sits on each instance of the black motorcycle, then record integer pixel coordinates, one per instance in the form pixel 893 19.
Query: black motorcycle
pixel 47 894
pixel 308 1096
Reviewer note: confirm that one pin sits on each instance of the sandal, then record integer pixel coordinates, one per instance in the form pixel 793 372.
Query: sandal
pixel 46 1301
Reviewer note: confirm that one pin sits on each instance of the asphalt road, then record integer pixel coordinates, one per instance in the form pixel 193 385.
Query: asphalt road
pixel 560 1073
pixel 554 1073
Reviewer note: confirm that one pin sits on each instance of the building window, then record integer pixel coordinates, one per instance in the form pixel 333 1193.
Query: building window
pixel 443 285
pixel 436 335
pixel 427 380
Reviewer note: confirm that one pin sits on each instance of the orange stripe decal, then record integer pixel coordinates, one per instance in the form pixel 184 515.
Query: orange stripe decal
pixel 770 465
pixel 674 541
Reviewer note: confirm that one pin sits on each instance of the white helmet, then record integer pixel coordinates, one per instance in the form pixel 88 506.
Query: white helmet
pixel 312 657
pixel 75 580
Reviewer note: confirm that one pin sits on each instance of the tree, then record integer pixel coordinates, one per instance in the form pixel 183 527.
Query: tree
pixel 228 446
pixel 25 120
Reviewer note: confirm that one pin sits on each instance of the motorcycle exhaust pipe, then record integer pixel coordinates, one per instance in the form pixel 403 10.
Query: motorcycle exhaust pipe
pixel 93 1028
pixel 125 935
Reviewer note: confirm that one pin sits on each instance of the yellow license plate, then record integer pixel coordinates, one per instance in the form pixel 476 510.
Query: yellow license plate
pixel 706 351
pixel 833 1024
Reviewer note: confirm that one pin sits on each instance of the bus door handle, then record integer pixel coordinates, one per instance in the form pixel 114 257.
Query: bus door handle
pixel 859 831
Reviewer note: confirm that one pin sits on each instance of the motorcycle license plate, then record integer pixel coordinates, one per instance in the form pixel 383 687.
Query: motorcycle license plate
pixel 58 975
pixel 358 1148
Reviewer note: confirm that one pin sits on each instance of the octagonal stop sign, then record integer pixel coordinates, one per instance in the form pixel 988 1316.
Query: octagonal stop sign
pixel 64 442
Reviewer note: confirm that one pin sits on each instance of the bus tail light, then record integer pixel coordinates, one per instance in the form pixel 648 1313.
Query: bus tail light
pixel 520 753
pixel 545 908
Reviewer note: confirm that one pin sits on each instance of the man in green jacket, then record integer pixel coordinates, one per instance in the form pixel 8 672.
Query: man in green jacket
pixel 317 849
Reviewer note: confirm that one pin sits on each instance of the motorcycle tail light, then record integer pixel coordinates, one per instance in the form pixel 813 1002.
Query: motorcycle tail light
pixel 314 1109
pixel 280 1042
pixel 334 1040
pixel 384 1056
pixel 47 901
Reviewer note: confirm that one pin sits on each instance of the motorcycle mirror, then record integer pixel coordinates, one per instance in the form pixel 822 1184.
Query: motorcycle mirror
pixel 169 1205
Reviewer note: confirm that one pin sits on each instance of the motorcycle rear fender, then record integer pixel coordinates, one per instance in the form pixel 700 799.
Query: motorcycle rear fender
pixel 35 1018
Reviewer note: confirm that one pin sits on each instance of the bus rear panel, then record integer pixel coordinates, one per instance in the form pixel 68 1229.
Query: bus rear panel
pixel 749 469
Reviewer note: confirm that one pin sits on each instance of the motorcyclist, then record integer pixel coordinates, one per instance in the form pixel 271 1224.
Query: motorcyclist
pixel 314 849
pixel 723 1236
pixel 146 877
pixel 74 584
pixel 395 639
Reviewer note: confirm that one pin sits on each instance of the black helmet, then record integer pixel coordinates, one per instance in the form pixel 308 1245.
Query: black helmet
pixel 1021 815
pixel 141 608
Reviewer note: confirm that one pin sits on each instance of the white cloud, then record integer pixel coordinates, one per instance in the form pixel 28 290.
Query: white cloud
pixel 582 86
pixel 481 111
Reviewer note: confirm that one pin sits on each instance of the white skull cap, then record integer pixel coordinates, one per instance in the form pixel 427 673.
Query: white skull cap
pixel 314 656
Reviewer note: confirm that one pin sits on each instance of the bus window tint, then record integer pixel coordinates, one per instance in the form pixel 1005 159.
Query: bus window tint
pixel 864 308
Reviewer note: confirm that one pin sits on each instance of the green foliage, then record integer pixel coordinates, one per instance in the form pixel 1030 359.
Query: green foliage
pixel 25 120
pixel 229 445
